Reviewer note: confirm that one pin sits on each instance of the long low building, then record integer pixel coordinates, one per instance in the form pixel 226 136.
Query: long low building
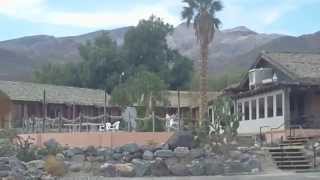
pixel 32 99
pixel 27 100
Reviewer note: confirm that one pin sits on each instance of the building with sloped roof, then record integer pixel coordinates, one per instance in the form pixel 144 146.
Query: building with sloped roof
pixel 33 99
pixel 280 91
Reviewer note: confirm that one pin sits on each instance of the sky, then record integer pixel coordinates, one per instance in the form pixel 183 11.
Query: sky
pixel 73 17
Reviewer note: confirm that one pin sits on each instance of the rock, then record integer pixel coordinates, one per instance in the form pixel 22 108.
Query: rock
pixel 117 156
pixel 91 151
pixel 91 158
pixel 47 177
pixel 68 153
pixel 147 155
pixel 164 153
pixel 36 164
pixel 18 169
pixel 197 168
pixel 108 170
pixel 235 155
pixel 181 139
pixel 125 170
pixel 252 165
pixel 159 168
pixel 245 157
pixel 5 168
pixel 75 167
pixel 131 148
pixel 78 158
pixel 60 157
pixel 181 151
pixel 214 167
pixel 179 169
pixel 197 153
pixel 142 167
pixel 4 174
pixel 77 151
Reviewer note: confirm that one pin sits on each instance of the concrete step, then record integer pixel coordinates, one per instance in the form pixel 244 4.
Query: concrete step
pixel 298 138
pixel 282 154
pixel 302 157
pixel 292 144
pixel 291 167
pixel 294 141
pixel 293 162
pixel 283 148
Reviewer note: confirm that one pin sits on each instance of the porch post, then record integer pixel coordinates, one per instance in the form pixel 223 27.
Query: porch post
pixel 286 104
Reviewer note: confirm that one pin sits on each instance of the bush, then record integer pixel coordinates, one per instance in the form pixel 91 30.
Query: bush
pixel 6 148
pixel 26 151
pixel 54 166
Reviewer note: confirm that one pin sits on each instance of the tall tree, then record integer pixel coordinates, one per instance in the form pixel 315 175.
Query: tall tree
pixel 202 13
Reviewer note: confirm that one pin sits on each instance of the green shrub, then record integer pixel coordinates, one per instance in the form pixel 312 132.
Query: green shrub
pixel 25 150
pixel 6 148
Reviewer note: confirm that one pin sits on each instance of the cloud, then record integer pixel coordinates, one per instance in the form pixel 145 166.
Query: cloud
pixel 38 11
pixel 259 14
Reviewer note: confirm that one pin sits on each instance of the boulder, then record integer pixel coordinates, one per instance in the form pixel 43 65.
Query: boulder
pixel 179 169
pixel 75 167
pixel 147 155
pixel 142 167
pixel 125 170
pixel 91 151
pixel 68 153
pixel 181 139
pixel 78 158
pixel 131 148
pixel 214 167
pixel 164 153
pixel 181 151
pixel 117 156
pixel 77 150
pixel 196 153
pixel 108 170
pixel 235 155
pixel 36 164
pixel 159 168
pixel 197 168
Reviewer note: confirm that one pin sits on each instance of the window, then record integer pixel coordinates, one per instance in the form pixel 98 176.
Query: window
pixel 270 106
pixel 279 105
pixel 254 109
pixel 246 111
pixel 240 111
pixel 261 108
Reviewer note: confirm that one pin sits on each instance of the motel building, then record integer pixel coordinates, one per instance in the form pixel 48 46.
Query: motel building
pixel 281 91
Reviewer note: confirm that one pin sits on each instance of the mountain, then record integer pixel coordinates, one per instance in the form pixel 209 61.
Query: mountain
pixel 234 48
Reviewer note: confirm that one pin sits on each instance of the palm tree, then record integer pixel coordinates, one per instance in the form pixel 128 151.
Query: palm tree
pixel 202 13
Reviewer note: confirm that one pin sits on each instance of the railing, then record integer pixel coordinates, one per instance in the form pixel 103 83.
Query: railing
pixel 60 123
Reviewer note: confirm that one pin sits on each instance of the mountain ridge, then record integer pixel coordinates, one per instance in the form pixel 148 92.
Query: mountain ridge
pixel 236 47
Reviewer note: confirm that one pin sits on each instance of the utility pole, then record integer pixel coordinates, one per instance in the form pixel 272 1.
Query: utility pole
pixel 179 113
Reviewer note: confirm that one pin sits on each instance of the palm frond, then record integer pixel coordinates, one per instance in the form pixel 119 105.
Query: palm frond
pixel 187 14
pixel 215 6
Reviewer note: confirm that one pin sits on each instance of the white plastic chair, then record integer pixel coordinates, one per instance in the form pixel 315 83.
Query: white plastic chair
pixel 102 128
pixel 115 126
pixel 108 126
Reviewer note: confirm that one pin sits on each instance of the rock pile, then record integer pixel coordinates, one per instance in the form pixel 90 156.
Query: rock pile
pixel 132 160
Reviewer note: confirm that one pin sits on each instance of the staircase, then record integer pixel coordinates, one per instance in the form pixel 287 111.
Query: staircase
pixel 290 155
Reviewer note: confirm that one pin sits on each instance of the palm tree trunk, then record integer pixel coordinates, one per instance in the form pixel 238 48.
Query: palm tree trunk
pixel 203 83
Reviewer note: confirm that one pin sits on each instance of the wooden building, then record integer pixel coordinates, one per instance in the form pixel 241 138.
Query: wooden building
pixel 31 99
pixel 281 91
